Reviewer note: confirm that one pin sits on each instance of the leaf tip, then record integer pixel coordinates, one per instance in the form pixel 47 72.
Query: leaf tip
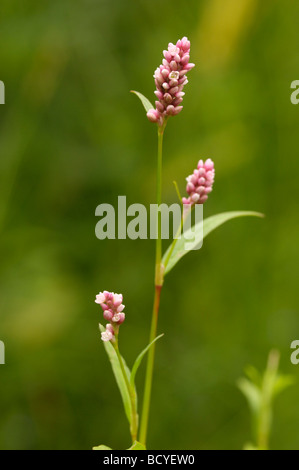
pixel 145 102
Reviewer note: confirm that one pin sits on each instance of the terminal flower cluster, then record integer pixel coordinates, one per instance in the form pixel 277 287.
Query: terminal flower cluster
pixel 113 307
pixel 200 183
pixel 170 79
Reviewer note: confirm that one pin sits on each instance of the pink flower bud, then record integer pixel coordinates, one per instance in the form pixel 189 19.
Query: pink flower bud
pixel 195 197
pixel 173 83
pixel 167 55
pixel 108 315
pixel 100 298
pixel 189 67
pixel 117 299
pixel 159 94
pixel 119 318
pixel 160 107
pixel 170 110
pixel 167 98
pixel 110 328
pixel 177 110
pixel 108 334
pixel 185 59
pixel 153 115
pixel 174 90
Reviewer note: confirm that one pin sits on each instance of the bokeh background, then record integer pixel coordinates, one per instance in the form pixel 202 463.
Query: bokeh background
pixel 73 137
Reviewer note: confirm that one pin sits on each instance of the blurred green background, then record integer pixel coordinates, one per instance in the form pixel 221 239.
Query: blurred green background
pixel 73 137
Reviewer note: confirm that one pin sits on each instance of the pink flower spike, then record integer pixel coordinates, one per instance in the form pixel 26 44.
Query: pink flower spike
pixel 200 183
pixel 170 79
pixel 112 312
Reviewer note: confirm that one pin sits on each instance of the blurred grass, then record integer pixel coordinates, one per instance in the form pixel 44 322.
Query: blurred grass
pixel 72 137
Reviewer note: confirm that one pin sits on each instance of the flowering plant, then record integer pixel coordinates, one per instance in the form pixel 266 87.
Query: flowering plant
pixel 170 80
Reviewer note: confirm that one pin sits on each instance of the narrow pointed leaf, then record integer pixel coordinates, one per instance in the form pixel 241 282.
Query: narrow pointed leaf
pixel 101 447
pixel 206 226
pixel 282 382
pixel 139 359
pixel 254 376
pixel 146 103
pixel 137 446
pixel 249 446
pixel 252 393
pixel 118 375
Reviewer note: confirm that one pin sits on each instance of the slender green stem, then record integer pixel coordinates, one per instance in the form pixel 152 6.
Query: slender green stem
pixel 150 368
pixel 131 391
pixel 159 272
pixel 265 414
pixel 179 231
pixel 177 191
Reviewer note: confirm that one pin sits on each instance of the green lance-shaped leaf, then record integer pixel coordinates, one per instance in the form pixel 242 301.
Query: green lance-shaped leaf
pixel 119 376
pixel 282 382
pixel 146 103
pixel 260 391
pixel 139 359
pixel 252 393
pixel 101 447
pixel 205 227
pixel 137 446
pixel 249 446
pixel 254 375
